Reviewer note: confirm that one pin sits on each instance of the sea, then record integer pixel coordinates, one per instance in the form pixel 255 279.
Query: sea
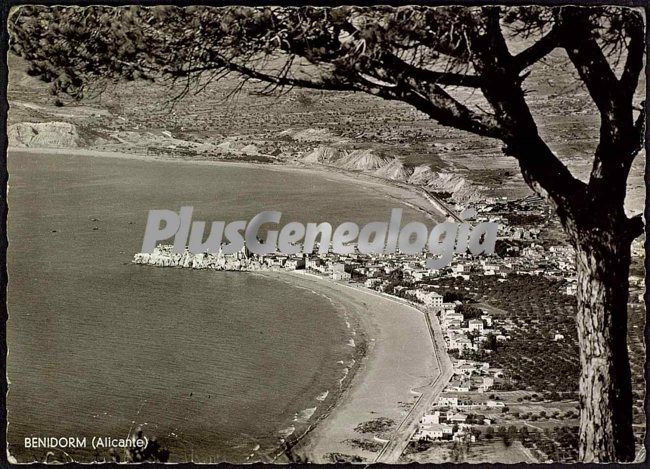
pixel 217 366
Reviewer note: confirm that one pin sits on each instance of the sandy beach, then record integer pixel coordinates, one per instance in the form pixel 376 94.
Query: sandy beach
pixel 399 366
pixel 399 369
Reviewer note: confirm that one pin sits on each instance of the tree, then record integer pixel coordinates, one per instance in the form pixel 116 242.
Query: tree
pixel 417 55
pixel 491 342
pixel 505 436
pixel 523 432
pixel 512 433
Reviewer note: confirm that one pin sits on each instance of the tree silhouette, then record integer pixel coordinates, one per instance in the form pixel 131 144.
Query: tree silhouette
pixel 416 55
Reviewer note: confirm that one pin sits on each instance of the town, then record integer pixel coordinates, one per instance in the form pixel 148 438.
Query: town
pixel 520 255
pixel 492 393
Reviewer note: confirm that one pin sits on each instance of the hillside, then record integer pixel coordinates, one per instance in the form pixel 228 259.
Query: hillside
pixel 316 127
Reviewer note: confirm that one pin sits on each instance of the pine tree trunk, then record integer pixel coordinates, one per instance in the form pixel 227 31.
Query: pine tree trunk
pixel 605 382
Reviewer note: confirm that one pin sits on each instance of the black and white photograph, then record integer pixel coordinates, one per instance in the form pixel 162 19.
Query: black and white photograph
pixel 325 234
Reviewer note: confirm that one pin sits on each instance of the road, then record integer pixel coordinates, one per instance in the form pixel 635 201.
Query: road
pixel 439 204
pixel 400 438
pixel 392 451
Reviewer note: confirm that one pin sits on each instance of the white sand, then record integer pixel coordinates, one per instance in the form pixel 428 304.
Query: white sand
pixel 399 365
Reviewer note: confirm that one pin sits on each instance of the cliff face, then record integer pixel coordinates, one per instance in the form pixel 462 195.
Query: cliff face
pixel 394 170
pixel 43 135
pixel 324 155
pixel 461 189
pixel 164 256
pixel 421 175
pixel 361 160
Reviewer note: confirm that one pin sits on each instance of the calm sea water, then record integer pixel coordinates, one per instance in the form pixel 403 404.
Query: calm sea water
pixel 212 364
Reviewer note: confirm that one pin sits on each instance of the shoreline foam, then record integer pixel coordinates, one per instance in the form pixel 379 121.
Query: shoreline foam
pixel 324 434
pixel 398 346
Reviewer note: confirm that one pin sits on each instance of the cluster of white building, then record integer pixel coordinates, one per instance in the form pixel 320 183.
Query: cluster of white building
pixel 453 415
pixel 467 335
pixel 448 420
pixel 440 425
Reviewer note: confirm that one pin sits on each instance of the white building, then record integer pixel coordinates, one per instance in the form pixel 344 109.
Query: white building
pixel 337 275
pixel 452 316
pixel 431 419
pixel 372 282
pixel 457 418
pixel 448 401
pixel 295 264
pixel 475 325
pixel 435 432
pixel 432 299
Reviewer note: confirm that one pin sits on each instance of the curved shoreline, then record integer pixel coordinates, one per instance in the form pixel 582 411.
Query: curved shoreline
pixel 404 194
pixel 400 361
pixel 290 451
pixel 397 337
